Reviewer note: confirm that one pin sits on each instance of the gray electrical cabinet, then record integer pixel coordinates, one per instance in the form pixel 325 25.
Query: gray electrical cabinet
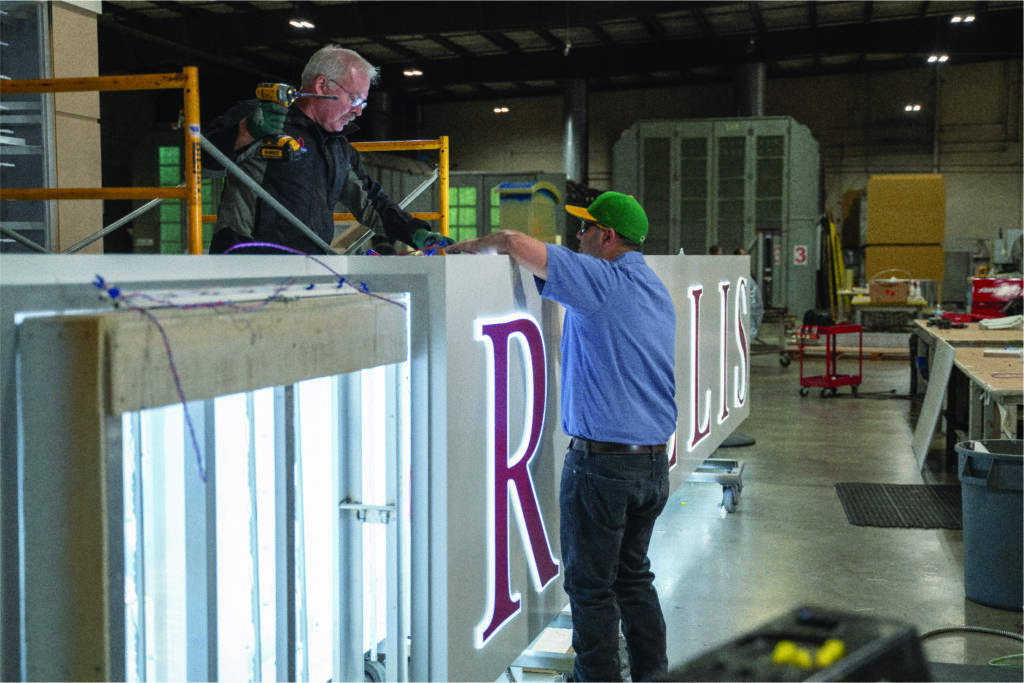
pixel 753 183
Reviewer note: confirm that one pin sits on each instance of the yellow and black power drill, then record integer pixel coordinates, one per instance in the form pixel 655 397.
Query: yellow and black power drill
pixel 282 147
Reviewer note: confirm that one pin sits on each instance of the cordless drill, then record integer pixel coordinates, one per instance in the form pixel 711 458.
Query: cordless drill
pixel 282 147
pixel 279 147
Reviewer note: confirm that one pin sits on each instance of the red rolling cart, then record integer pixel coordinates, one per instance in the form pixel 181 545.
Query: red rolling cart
pixel 832 379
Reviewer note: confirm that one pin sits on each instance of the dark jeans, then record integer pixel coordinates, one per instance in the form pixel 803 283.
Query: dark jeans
pixel 608 504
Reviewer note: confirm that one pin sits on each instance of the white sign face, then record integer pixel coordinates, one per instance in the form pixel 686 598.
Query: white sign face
pixel 801 255
pixel 487 446
pixel 505 446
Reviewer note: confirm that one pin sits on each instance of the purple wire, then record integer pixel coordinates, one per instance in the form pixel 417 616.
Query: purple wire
pixel 361 287
pixel 177 386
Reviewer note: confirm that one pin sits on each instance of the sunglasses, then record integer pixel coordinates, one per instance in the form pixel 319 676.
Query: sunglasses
pixel 587 225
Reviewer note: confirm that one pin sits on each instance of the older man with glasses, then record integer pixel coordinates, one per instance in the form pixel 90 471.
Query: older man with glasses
pixel 329 172
pixel 619 410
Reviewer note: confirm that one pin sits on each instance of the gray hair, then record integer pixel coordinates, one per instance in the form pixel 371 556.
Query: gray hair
pixel 334 62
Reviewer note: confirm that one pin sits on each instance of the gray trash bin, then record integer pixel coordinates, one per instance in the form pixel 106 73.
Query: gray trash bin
pixel 992 480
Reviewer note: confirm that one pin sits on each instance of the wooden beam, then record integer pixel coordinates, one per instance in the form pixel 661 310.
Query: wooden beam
pixel 223 351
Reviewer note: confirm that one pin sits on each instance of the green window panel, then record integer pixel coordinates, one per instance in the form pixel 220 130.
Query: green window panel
pixel 770 186
pixel 731 157
pixel 169 156
pixel 170 212
pixel 771 146
pixel 495 209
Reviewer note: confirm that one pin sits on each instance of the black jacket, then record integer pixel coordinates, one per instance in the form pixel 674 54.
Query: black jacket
pixel 329 173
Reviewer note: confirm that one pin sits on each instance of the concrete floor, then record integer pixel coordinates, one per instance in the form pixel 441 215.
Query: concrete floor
pixel 789 544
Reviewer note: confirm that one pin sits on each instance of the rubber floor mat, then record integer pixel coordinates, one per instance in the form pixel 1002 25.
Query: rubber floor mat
pixel 906 506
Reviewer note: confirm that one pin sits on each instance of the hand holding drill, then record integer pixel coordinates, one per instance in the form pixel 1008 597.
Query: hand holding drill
pixel 267 120
pixel 266 123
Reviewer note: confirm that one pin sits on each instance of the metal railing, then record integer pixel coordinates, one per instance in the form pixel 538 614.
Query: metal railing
pixel 190 192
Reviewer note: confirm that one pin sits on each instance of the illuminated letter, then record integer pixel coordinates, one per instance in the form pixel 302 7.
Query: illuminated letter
pixel 723 402
pixel 509 473
pixel 700 426
pixel 743 369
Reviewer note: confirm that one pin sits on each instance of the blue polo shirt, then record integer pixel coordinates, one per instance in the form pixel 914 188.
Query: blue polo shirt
pixel 618 347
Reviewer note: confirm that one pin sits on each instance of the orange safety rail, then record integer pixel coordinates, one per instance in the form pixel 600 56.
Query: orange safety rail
pixel 441 144
pixel 187 80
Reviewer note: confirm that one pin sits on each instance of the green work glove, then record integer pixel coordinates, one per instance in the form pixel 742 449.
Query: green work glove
pixel 268 119
pixel 423 238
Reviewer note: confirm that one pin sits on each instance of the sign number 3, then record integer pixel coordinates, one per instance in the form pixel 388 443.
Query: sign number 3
pixel 800 255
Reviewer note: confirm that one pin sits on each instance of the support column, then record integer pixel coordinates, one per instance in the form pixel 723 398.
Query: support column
pixel 577 133
pixel 748 89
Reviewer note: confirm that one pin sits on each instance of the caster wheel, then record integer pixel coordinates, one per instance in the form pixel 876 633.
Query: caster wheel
pixel 730 498
pixel 374 671
pixel 853 388
pixel 803 391
pixel 785 360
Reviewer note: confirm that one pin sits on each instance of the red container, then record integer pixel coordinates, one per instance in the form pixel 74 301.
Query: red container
pixel 990 294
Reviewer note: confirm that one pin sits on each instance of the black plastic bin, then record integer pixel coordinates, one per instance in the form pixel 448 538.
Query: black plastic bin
pixel 992 484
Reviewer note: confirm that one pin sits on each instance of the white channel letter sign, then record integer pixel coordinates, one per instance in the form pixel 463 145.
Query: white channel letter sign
pixel 701 393
pixel 510 484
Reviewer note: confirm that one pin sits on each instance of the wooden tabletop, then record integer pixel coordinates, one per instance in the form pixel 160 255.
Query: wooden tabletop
pixel 974 335
pixel 999 375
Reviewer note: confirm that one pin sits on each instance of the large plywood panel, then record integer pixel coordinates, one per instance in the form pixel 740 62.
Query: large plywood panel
pixel 75 54
pixel 910 261
pixel 906 209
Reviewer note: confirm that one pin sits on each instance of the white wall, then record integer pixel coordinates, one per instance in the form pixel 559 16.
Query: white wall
pixel 857 119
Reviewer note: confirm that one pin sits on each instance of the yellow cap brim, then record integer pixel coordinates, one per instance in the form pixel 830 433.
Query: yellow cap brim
pixel 580 212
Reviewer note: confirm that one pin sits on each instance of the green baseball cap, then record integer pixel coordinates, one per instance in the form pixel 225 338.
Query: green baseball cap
pixel 617 211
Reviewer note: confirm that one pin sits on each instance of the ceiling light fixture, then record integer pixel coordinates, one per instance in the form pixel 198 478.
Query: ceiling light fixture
pixel 933 59
pixel 962 19
pixel 412 72
pixel 301 23
pixel 912 108
pixel 501 110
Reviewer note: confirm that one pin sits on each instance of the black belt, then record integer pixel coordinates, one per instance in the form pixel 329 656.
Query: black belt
pixel 610 447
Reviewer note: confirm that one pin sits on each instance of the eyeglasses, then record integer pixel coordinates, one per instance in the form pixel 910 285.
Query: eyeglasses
pixel 355 100
pixel 587 225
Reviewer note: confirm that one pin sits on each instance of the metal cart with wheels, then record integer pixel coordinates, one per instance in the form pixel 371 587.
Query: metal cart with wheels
pixel 728 473
pixel 832 379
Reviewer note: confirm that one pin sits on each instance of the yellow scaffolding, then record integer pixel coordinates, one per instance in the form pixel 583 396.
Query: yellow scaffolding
pixel 440 144
pixel 191 192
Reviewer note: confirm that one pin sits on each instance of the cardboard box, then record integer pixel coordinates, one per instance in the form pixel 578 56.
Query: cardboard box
pixel 889 291
pixel 906 209
pixel 910 262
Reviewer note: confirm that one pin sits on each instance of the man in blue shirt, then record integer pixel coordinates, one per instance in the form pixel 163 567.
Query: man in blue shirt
pixel 618 407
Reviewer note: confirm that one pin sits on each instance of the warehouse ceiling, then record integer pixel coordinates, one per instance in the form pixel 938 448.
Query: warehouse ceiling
pixel 492 50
